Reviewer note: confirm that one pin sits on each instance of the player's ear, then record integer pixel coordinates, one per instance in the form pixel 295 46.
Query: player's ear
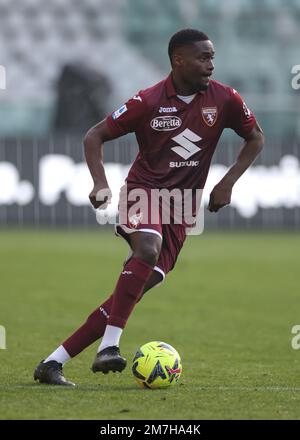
pixel 177 60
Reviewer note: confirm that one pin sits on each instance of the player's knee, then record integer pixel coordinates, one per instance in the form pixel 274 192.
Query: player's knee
pixel 148 252
pixel 146 246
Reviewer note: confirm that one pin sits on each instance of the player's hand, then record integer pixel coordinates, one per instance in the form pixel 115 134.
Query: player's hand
pixel 219 197
pixel 100 196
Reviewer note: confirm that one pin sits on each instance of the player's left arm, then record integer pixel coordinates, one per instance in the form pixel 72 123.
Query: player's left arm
pixel 221 194
pixel 242 117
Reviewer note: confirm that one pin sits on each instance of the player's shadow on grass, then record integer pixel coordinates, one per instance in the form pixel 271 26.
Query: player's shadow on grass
pixel 84 388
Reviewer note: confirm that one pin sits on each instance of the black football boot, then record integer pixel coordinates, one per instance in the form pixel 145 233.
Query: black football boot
pixel 51 372
pixel 109 359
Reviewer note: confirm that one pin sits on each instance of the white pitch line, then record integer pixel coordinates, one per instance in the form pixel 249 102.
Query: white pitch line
pixel 240 388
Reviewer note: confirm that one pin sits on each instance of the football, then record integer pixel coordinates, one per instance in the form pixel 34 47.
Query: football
pixel 156 365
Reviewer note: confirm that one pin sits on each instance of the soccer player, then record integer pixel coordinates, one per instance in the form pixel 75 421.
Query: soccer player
pixel 177 123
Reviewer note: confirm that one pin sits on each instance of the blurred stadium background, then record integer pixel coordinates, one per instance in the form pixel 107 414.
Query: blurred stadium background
pixel 65 65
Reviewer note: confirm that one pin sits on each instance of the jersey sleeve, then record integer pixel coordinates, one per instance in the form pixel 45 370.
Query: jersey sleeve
pixel 128 117
pixel 240 117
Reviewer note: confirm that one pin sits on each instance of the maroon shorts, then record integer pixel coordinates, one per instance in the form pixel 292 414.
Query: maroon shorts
pixel 172 235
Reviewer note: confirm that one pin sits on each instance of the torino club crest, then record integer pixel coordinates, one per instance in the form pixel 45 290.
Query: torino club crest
pixel 209 115
pixel 136 219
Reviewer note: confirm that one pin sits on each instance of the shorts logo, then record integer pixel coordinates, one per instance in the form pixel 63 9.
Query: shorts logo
pixel 165 123
pixel 119 112
pixel 135 220
pixel 209 115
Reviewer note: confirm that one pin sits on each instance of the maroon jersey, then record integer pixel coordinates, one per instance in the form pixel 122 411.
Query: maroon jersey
pixel 177 140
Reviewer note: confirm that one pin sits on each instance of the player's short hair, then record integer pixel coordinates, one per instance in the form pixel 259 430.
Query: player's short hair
pixel 184 38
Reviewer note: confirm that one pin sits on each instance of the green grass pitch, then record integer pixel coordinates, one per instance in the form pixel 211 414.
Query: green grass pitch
pixel 228 308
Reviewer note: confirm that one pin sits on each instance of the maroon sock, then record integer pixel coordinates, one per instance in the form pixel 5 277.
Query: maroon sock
pixel 95 324
pixel 90 331
pixel 129 289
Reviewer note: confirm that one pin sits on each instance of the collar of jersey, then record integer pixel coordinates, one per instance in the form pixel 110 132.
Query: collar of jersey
pixel 170 87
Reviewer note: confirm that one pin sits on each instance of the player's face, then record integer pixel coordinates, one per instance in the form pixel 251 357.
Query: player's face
pixel 194 64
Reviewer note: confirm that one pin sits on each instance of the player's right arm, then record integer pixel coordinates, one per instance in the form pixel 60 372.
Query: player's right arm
pixel 93 149
pixel 124 120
